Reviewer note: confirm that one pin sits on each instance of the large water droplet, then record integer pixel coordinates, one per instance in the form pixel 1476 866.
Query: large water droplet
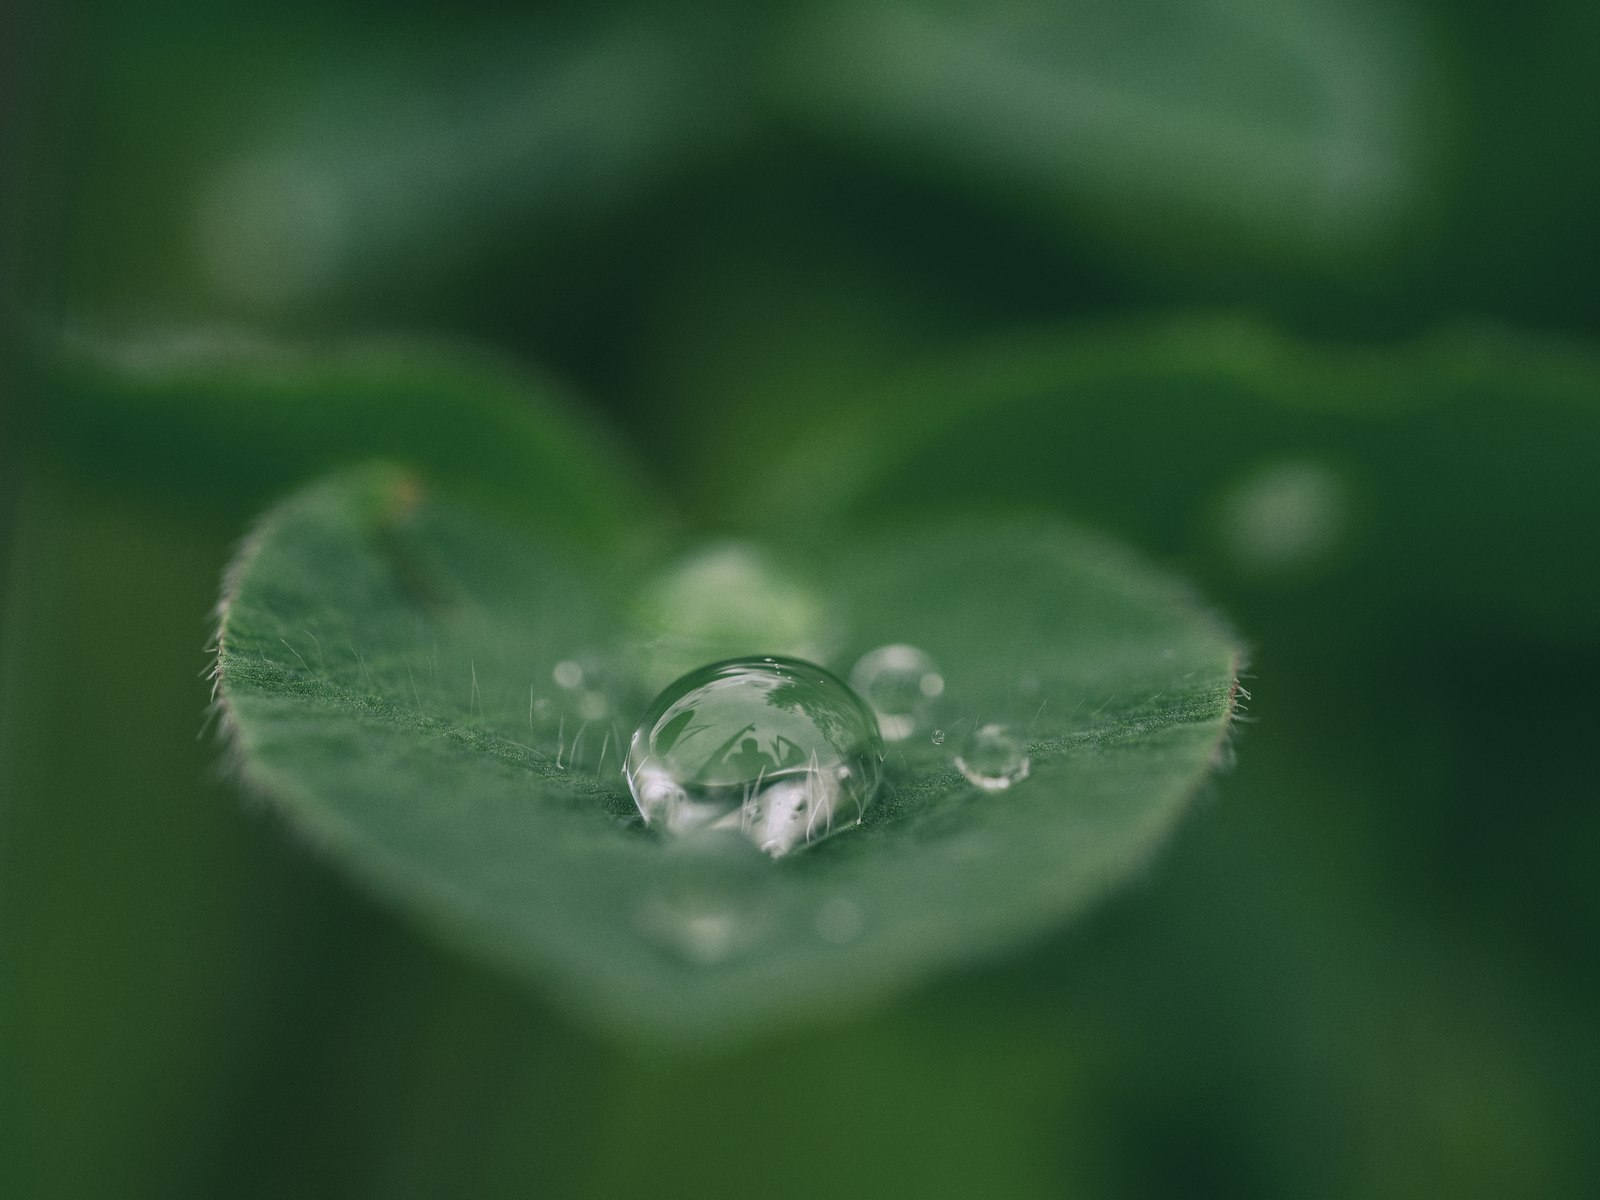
pixel 993 758
pixel 900 682
pixel 776 748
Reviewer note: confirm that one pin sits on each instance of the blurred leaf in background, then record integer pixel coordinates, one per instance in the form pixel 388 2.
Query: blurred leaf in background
pixel 811 264
pixel 1281 130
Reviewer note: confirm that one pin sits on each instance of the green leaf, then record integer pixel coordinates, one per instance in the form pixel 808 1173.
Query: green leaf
pixel 1292 126
pixel 387 670
pixel 237 419
pixel 331 168
pixel 1439 477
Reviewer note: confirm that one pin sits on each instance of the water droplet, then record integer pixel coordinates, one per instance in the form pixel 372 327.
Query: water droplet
pixel 900 682
pixel 776 748
pixel 938 737
pixel 993 758
pixel 568 674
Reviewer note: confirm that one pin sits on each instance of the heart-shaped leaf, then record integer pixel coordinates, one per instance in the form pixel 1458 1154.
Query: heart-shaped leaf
pixel 443 705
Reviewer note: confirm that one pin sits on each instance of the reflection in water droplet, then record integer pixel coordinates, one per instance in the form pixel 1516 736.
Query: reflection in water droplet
pixel 775 748
pixel 993 758
pixel 900 682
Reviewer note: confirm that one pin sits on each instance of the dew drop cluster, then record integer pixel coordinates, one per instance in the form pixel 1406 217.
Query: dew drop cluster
pixel 783 753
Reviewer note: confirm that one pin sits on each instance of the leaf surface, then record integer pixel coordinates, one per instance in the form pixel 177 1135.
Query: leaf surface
pixel 388 665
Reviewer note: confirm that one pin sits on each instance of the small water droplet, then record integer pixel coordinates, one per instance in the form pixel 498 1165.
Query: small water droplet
pixel 938 737
pixel 899 682
pixel 993 758
pixel 775 748
pixel 568 674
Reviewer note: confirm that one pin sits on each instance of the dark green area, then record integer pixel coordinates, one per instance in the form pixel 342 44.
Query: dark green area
pixel 816 273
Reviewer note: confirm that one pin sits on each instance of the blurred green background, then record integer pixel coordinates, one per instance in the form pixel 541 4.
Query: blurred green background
pixel 1297 298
